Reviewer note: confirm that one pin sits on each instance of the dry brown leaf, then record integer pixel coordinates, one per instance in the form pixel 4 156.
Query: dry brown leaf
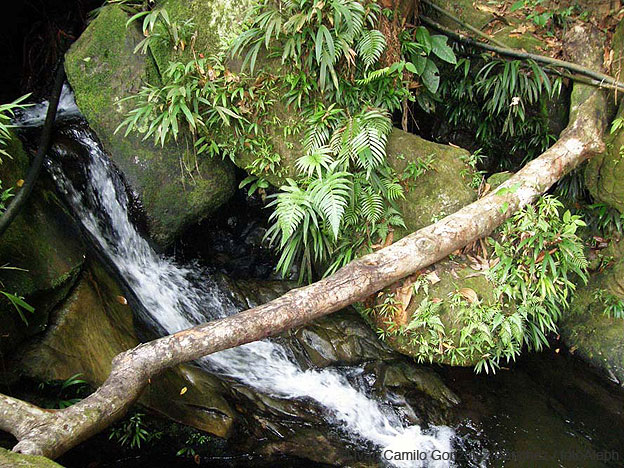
pixel 389 238
pixel 469 294
pixel 433 277
pixel 122 300
pixel 183 391
pixel 20 183
pixel 404 295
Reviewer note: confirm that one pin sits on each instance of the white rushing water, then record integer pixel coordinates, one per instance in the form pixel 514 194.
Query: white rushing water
pixel 34 115
pixel 176 298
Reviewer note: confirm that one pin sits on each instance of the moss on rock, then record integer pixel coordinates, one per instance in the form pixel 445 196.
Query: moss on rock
pixel 440 339
pixel 441 191
pixel 18 460
pixel 592 334
pixel 43 244
pixel 103 70
pixel 605 172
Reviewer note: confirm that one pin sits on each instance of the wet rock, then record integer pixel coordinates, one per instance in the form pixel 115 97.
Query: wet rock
pixel 589 331
pixel 92 327
pixel 342 338
pixel 103 70
pixel 18 460
pixel 44 247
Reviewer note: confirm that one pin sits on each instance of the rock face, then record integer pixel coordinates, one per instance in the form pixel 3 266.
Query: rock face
pixel 44 243
pixel 441 191
pixel 174 186
pixel 605 172
pixel 595 336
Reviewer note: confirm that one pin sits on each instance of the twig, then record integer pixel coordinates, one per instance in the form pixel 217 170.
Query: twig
pixel 465 25
pixel 598 79
pixel 46 137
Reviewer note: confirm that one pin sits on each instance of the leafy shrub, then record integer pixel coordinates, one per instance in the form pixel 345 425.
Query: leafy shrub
pixel 613 305
pixel 342 200
pixel 503 102
pixel 64 393
pixel 133 431
pixel 537 254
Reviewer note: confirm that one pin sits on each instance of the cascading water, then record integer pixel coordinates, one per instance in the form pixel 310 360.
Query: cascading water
pixel 174 299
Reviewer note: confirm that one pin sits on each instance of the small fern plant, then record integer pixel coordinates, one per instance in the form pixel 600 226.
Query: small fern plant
pixel 346 190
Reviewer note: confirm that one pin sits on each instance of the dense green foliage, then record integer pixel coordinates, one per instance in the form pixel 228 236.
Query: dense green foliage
pixel 330 65
pixel 63 393
pixel 343 198
pixel 539 258
pixel 505 104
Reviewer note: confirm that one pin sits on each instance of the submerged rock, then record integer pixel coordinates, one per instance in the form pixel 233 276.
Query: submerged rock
pixel 175 186
pixel 41 249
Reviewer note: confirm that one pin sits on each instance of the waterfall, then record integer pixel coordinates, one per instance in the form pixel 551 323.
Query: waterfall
pixel 176 297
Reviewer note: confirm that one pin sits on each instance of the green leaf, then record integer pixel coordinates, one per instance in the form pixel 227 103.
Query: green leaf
pixel 517 5
pixel 424 39
pixel 431 76
pixel 442 50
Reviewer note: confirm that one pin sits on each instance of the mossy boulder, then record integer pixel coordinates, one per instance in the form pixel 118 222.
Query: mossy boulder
pixel 446 301
pixel 176 187
pixel 44 246
pixel 441 191
pixel 589 331
pixel 18 460
pixel 604 174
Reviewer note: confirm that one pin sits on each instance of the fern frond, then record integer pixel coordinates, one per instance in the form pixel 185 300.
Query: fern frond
pixel 371 205
pixel 370 46
pixel 330 196
pixel 290 209
pixel 315 161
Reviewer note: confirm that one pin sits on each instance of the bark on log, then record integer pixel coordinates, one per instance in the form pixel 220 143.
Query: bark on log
pixel 52 433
